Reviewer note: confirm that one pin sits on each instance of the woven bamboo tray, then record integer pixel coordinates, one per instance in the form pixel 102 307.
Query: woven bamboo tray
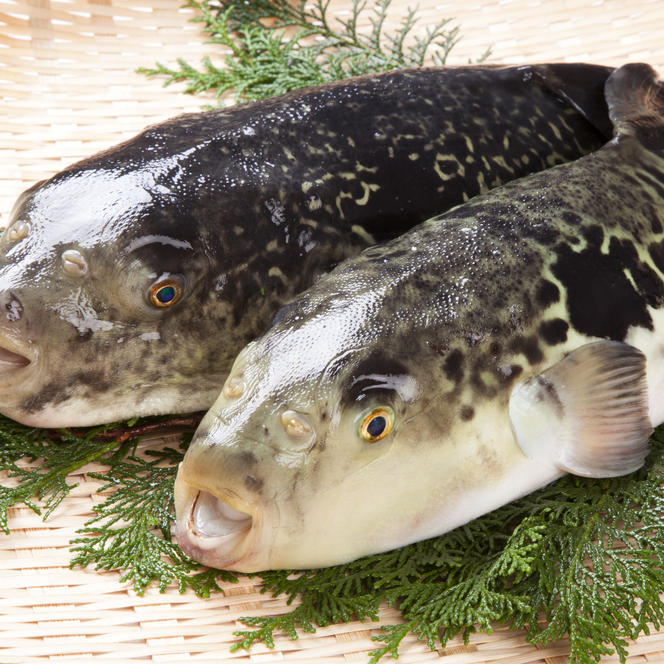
pixel 68 89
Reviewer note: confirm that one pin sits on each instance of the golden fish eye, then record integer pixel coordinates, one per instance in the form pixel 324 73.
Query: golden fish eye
pixel 165 293
pixel 377 424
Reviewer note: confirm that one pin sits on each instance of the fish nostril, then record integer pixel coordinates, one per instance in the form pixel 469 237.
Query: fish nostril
pixel 18 230
pixel 296 425
pixel 74 263
pixel 14 309
pixel 233 388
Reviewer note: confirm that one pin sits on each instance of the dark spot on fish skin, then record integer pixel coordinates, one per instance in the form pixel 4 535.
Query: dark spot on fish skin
pixel 253 484
pixel 53 392
pixel 601 302
pixel 247 459
pixel 652 182
pixel 467 413
pixel 453 366
pixel 369 375
pixel 441 349
pixel 571 218
pixel 550 392
pixel 647 282
pixel 554 331
pixel 507 374
pixel 547 293
pixel 265 430
pixel 655 223
pixel 95 381
pixel 542 233
pixel 656 251
pixel 529 346
pixel 594 235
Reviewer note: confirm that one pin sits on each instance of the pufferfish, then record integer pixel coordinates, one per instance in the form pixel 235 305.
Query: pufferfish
pixel 130 281
pixel 427 381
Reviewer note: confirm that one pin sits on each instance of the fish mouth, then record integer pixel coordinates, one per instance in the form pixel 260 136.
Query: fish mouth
pixel 217 529
pixel 14 356
pixel 215 519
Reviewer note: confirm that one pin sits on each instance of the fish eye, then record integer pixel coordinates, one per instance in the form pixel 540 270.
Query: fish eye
pixel 165 292
pixel 376 424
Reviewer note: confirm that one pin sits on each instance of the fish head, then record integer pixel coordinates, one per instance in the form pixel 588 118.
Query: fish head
pixel 306 459
pixel 99 290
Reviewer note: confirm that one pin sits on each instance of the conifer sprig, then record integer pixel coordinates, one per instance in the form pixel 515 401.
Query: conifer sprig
pixel 275 47
pixel 132 528
pixel 586 555
pixel 21 446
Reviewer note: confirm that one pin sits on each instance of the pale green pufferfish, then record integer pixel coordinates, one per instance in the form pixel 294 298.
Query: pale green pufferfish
pixel 434 378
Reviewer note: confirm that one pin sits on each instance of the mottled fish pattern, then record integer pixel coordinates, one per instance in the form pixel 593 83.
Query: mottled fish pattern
pixel 558 274
pixel 130 280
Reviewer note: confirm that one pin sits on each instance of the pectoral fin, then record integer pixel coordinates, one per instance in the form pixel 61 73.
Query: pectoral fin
pixel 588 414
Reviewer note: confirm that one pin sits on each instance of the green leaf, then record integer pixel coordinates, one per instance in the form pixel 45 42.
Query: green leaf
pixel 131 530
pixel 587 556
pixel 60 453
pixel 276 47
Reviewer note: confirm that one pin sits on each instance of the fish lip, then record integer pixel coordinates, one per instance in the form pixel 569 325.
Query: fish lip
pixel 236 551
pixel 16 356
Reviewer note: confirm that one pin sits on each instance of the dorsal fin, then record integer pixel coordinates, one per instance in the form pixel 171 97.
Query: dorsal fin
pixel 579 85
pixel 635 97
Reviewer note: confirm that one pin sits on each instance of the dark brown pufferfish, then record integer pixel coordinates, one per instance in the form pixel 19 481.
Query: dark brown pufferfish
pixel 129 281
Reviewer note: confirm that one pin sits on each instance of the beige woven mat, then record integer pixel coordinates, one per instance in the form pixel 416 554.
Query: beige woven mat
pixel 67 89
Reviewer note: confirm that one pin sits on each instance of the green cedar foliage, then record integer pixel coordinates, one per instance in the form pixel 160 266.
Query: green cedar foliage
pixel 275 47
pixel 585 555
pixel 131 530
pixel 21 446
pixel 579 558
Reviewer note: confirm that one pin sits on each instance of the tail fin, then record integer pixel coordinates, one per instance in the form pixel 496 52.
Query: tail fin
pixel 579 85
pixel 635 97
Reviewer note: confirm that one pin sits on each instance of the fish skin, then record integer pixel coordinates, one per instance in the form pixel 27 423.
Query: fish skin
pixel 440 324
pixel 249 205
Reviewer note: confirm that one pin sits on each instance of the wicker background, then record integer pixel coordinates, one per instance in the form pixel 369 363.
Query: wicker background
pixel 68 88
